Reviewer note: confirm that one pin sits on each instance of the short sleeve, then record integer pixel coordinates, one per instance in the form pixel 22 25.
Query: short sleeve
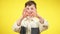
pixel 16 28
pixel 44 26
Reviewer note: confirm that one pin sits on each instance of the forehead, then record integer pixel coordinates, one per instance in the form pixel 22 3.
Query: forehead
pixel 32 6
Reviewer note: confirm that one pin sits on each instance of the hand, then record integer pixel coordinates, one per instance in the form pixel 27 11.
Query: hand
pixel 25 13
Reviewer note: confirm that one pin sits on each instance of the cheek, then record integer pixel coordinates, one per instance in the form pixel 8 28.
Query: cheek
pixel 27 10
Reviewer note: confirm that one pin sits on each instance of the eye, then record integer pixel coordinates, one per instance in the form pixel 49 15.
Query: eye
pixel 31 8
pixel 28 8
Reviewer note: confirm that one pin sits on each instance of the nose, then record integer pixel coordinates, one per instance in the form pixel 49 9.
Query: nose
pixel 30 12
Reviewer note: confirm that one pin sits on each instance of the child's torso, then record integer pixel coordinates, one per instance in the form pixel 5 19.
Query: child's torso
pixel 31 25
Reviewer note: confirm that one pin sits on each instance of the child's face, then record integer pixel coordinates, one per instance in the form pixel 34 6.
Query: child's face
pixel 31 10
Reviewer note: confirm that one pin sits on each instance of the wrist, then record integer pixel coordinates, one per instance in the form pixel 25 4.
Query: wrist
pixel 18 24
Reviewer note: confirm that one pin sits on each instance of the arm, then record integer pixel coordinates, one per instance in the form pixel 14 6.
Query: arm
pixel 43 26
pixel 40 19
pixel 19 21
pixel 15 27
pixel 24 14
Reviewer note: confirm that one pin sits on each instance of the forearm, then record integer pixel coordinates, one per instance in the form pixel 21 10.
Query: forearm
pixel 17 25
pixel 40 19
pixel 20 20
pixel 43 26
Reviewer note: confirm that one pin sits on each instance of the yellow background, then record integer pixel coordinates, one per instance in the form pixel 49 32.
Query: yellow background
pixel 11 10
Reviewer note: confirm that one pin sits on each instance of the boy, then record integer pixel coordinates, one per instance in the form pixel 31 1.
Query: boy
pixel 30 23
